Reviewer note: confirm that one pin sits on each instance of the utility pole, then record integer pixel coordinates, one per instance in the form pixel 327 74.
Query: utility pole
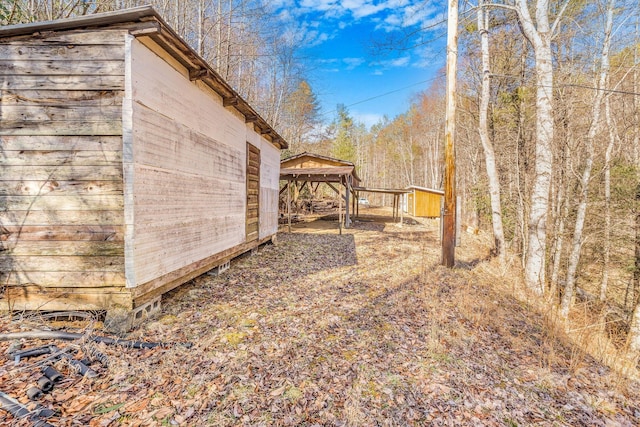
pixel 449 215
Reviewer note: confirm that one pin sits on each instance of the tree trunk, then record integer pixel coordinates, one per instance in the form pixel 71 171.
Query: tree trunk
pixel 537 232
pixel 574 258
pixel 563 197
pixel 487 143
pixel 604 283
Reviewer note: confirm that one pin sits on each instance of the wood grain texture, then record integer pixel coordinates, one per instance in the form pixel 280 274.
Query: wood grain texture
pixel 62 173
pixel 33 297
pixel 62 98
pixel 19 51
pixel 56 67
pixel 63 143
pixel 25 127
pixel 48 113
pixel 63 82
pixel 75 279
pixel 59 188
pixel 58 263
pixel 74 202
pixel 85 36
pixel 70 248
pixel 59 157
pixel 61 232
pixel 66 218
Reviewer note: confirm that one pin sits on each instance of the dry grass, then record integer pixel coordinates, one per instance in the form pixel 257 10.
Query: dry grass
pixel 361 329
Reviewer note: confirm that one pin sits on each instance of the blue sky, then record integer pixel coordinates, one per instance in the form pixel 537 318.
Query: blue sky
pixel 344 65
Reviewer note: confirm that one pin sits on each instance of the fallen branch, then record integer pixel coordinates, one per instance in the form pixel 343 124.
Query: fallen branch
pixel 71 336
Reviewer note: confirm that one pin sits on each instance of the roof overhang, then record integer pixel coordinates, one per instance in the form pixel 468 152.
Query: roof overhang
pixel 144 21
pixel 425 189
pixel 395 191
pixel 332 174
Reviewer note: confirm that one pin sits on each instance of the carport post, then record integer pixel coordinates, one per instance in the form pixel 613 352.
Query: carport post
pixel 289 204
pixel 340 209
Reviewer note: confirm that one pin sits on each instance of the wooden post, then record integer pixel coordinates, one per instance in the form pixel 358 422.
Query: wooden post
pixel 458 222
pixel 340 209
pixel 289 204
pixel 354 204
pixel 449 215
pixel 401 209
pixel 347 189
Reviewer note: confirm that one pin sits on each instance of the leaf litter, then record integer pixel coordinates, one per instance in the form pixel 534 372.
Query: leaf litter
pixel 359 329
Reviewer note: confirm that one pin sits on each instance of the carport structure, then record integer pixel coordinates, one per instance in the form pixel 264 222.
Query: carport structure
pixel 313 169
pixel 398 198
pixel 340 175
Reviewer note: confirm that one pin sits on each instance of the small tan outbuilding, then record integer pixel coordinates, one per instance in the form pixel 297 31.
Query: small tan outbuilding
pixel 424 202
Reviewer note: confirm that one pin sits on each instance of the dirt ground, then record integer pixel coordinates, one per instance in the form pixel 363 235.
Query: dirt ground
pixel 321 329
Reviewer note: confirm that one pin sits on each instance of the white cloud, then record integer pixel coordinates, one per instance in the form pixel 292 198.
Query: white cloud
pixel 353 62
pixel 400 62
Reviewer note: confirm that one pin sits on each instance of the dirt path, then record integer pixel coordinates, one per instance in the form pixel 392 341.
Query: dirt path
pixel 359 329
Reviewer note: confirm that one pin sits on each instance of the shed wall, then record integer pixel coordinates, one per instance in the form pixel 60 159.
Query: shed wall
pixel 188 170
pixel 427 204
pixel 61 188
pixel 269 188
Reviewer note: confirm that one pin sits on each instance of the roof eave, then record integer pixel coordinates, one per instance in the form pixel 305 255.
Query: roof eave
pixel 159 31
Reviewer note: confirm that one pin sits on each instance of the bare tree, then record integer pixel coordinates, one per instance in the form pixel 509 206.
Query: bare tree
pixel 574 257
pixel 487 143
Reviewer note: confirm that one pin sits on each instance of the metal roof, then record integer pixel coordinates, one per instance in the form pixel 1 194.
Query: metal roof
pixel 332 164
pixel 426 190
pixel 144 21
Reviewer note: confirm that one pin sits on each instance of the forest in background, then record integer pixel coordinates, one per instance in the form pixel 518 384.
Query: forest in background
pixel 548 130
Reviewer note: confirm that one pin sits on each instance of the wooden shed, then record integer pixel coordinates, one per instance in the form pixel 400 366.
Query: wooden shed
pixel 303 168
pixel 424 202
pixel 128 165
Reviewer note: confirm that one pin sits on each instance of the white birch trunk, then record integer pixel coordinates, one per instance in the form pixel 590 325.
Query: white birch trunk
pixel 539 35
pixel 634 331
pixel 487 143
pixel 574 257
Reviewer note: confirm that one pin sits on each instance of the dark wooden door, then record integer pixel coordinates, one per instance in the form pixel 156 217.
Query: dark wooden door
pixel 253 193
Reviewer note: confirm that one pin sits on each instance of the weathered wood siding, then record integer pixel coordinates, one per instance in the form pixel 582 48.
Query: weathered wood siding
pixel 185 176
pixel 310 162
pixel 253 193
pixel 61 188
pixel 427 204
pixel 269 188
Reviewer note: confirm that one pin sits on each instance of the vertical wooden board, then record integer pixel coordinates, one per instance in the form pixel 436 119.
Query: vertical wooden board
pixel 163 89
pixel 410 203
pixel 253 193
